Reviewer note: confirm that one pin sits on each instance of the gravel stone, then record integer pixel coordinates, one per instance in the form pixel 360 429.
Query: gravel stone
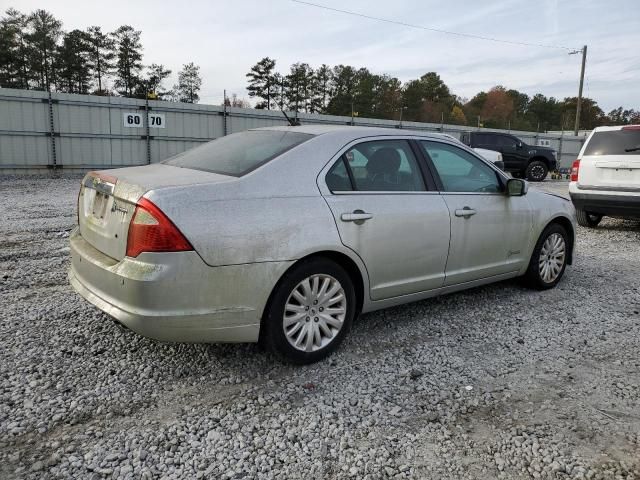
pixel 555 376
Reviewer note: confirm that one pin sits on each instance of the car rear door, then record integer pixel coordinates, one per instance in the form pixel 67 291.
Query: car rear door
pixel 386 213
pixel 481 140
pixel 489 230
pixel 609 160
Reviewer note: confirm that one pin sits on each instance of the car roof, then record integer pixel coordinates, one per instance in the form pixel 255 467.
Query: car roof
pixel 613 127
pixel 358 132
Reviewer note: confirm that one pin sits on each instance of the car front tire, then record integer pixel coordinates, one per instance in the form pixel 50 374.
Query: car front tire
pixel 586 219
pixel 549 259
pixel 310 311
pixel 536 171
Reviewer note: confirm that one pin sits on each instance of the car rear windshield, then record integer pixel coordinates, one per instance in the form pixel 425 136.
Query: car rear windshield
pixel 239 153
pixel 614 142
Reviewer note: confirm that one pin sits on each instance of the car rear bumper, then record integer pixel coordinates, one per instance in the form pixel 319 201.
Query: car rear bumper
pixel 175 297
pixel 606 202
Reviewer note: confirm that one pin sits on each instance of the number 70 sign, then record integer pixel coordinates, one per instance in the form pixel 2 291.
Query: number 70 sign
pixel 136 120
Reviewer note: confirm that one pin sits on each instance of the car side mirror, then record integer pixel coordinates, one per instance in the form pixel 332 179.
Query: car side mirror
pixel 516 187
pixel 519 145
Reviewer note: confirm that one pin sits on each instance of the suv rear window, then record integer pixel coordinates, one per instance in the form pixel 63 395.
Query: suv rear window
pixel 239 153
pixel 613 142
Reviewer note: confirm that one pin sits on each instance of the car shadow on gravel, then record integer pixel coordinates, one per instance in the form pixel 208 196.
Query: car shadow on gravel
pixel 617 225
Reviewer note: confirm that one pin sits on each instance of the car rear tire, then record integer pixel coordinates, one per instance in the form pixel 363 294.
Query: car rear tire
pixel 310 311
pixel 587 219
pixel 536 171
pixel 549 259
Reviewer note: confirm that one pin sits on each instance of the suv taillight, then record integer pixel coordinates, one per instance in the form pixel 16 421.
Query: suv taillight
pixel 575 169
pixel 151 231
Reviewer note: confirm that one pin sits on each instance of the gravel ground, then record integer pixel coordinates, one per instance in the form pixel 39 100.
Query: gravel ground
pixel 495 382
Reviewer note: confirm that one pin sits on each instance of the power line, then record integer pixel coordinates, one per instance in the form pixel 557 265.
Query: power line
pixel 430 29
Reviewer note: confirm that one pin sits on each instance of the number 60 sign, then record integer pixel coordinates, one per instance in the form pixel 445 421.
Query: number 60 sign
pixel 135 120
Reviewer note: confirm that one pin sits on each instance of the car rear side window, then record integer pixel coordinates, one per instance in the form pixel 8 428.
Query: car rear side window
pixel 377 166
pixel 239 153
pixel 614 142
pixel 482 139
pixel 338 178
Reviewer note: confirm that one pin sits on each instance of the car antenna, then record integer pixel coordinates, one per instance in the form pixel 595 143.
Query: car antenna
pixel 293 123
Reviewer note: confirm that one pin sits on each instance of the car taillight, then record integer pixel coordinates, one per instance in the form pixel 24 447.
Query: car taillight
pixel 151 231
pixel 575 169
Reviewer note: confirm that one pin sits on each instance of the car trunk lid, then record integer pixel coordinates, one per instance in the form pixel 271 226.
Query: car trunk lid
pixel 613 172
pixel 107 200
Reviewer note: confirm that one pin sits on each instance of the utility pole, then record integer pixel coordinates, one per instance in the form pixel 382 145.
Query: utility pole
pixel 579 104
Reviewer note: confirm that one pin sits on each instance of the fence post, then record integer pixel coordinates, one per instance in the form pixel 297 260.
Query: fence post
pixel 560 152
pixel 146 113
pixel 224 113
pixel 52 133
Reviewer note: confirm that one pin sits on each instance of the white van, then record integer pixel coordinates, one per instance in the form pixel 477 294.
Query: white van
pixel 605 179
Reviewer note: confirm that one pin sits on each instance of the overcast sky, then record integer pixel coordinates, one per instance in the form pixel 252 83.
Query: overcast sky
pixel 226 37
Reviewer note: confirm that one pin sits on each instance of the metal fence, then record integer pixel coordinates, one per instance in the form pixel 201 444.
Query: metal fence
pixel 40 131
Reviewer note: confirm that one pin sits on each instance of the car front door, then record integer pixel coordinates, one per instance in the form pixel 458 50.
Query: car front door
pixel 490 231
pixel 385 212
pixel 512 152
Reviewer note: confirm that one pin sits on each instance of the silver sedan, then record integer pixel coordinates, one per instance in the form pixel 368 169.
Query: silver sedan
pixel 284 235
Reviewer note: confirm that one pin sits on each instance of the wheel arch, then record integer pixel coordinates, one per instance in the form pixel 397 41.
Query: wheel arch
pixel 355 272
pixel 539 158
pixel 565 223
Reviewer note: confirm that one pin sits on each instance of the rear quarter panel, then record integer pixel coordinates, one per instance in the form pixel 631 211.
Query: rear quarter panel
pixel 228 231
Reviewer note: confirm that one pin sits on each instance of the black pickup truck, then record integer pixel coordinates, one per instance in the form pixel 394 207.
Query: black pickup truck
pixel 522 160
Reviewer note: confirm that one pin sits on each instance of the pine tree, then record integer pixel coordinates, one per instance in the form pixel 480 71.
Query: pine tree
pixel 42 41
pixel 262 82
pixel 72 63
pixel 426 98
pixel 298 89
pixel 128 59
pixel 343 87
pixel 152 83
pixel 388 97
pixel 320 89
pixel 278 95
pixel 189 83
pixel 101 55
pixel 14 59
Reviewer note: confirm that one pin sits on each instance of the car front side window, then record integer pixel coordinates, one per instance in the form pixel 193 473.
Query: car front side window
pixel 509 142
pixel 459 171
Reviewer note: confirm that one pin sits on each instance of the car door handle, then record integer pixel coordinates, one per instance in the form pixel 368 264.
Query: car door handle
pixel 357 216
pixel 465 212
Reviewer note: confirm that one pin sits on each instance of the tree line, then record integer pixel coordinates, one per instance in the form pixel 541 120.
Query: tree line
pixel 347 90
pixel 36 53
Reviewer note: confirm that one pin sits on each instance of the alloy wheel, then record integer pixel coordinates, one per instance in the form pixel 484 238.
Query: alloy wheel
pixel 537 173
pixel 552 257
pixel 314 313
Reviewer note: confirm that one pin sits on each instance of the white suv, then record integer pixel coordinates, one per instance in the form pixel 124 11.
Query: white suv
pixel 605 179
